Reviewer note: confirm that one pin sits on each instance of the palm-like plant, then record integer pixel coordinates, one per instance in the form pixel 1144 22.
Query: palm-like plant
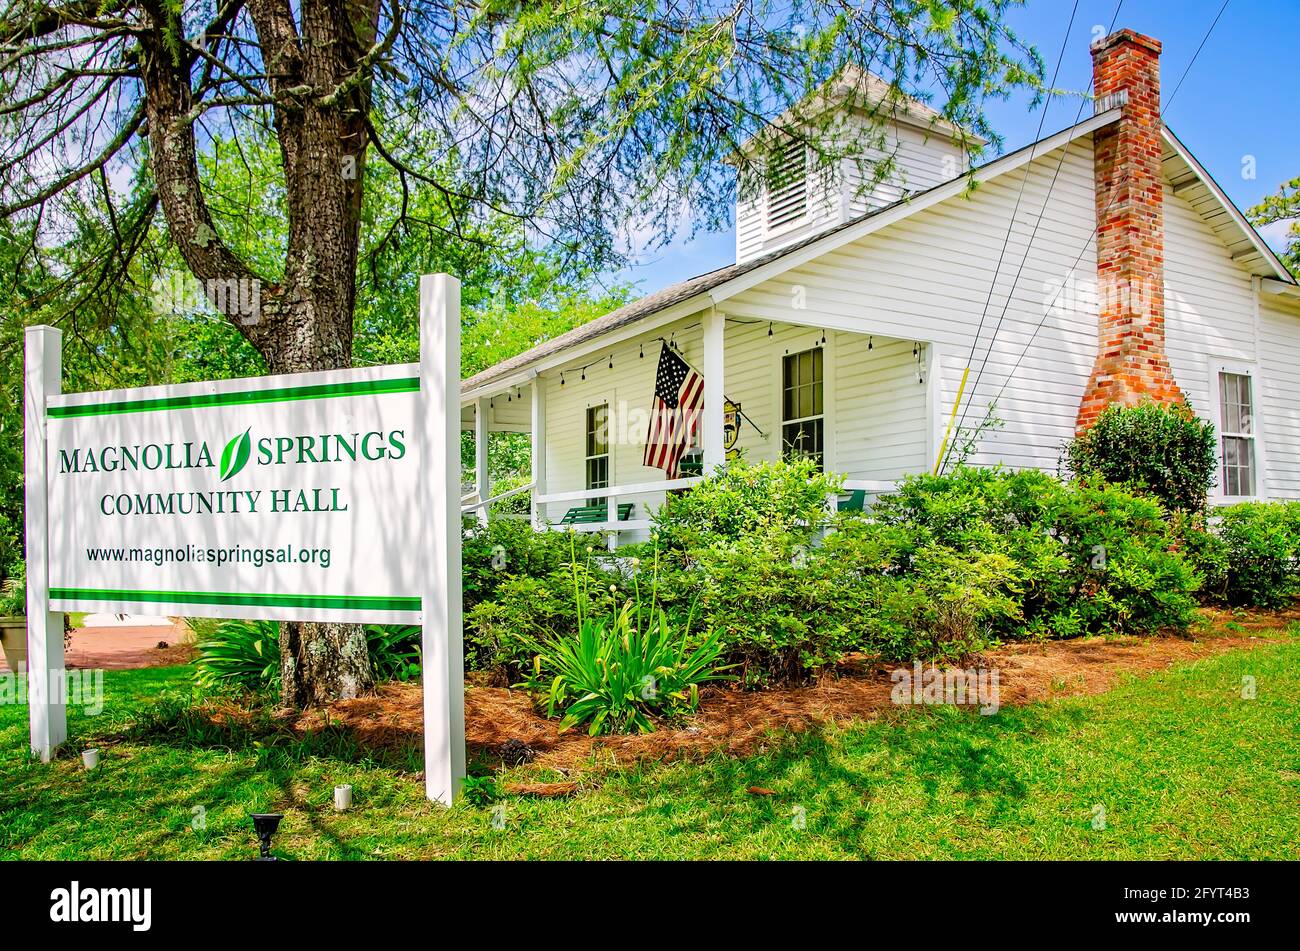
pixel 619 671
pixel 240 653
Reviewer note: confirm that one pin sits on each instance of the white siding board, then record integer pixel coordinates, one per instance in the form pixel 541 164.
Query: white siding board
pixel 927 278
pixel 1279 396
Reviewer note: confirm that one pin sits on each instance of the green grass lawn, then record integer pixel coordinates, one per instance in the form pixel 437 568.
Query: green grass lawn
pixel 1182 766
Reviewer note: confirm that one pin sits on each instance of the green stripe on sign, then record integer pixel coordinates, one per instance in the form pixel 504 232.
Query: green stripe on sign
pixel 337 602
pixel 281 394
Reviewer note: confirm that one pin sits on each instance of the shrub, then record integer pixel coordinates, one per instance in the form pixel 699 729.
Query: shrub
pixel 619 671
pixel 949 607
pixel 503 635
pixel 1207 553
pixel 741 500
pixel 1165 451
pixel 1087 557
pixel 506 548
pixel 1260 542
pixel 782 610
pixel 13 591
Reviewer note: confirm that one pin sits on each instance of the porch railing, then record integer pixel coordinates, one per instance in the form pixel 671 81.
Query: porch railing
pixel 467 506
pixel 611 494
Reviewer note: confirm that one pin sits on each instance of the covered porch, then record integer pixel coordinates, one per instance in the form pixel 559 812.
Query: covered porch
pixel 865 405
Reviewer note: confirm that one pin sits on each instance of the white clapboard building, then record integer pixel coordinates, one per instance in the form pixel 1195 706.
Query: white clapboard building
pixel 859 324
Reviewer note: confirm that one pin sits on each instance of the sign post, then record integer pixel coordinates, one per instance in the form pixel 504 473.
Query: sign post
pixel 329 496
pixel 46 689
pixel 440 594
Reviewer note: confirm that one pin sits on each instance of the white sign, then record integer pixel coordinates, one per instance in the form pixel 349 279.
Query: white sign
pixel 314 497
pixel 291 498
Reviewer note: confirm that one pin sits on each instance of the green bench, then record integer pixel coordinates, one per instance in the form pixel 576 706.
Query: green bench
pixel 690 466
pixel 855 500
pixel 590 514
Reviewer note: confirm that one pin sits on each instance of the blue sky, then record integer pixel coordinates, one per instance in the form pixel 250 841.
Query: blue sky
pixel 1238 100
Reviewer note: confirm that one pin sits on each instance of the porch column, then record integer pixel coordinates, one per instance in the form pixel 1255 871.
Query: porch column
pixel 538 450
pixel 481 481
pixel 711 422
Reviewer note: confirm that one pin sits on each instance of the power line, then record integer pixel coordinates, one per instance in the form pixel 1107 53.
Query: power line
pixel 1047 311
pixel 1028 246
pixel 946 448
pixel 1192 61
pixel 1011 224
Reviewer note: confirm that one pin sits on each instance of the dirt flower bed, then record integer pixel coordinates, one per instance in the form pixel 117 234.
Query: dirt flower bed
pixel 739 722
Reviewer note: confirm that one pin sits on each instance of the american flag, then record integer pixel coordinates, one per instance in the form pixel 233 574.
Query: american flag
pixel 674 413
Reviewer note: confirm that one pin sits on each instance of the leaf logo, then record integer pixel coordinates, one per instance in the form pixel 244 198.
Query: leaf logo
pixel 235 456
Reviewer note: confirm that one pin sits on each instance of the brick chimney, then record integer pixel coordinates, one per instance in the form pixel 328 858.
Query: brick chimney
pixel 1131 363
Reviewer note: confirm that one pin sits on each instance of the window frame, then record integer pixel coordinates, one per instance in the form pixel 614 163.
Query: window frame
pixel 825 416
pixel 607 455
pixel 1250 371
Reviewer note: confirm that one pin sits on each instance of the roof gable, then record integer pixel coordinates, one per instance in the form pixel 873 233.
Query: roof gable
pixel 1189 179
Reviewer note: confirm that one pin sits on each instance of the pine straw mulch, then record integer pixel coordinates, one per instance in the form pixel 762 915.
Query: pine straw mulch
pixel 738 722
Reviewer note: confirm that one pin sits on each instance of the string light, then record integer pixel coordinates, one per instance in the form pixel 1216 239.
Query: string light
pixel 769 328
pixel 561 378
pixel 871 342
pixel 611 361
pixel 823 338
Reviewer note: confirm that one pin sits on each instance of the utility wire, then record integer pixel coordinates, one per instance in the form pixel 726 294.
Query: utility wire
pixel 1048 309
pixel 1192 62
pixel 1006 305
pixel 946 448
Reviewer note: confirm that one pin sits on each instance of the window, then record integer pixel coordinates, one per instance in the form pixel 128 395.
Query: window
pixel 1237 431
pixel 597 451
pixel 787 184
pixel 802 413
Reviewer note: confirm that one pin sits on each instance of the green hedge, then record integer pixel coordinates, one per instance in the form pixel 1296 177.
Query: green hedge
pixel 1248 553
pixel 943 568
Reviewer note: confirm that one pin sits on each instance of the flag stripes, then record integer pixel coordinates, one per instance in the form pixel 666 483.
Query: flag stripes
pixel 675 412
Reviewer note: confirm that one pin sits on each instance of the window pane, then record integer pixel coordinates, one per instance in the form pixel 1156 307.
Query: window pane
pixel 1236 411
pixel 597 430
pixel 803 439
pixel 802 388
pixel 1238 465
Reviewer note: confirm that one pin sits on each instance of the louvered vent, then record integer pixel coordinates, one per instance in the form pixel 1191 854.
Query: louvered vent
pixel 787 184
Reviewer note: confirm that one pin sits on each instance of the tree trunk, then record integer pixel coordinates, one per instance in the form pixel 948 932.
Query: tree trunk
pixel 304 322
